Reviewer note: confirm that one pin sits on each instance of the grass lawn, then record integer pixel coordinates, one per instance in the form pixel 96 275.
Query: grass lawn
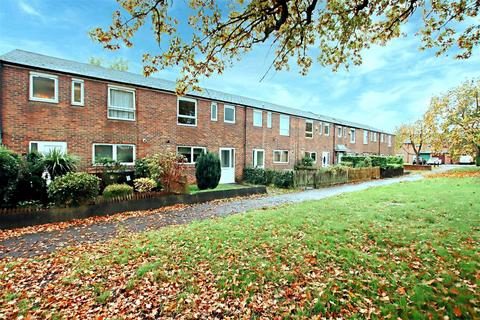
pixel 409 250
pixel 192 189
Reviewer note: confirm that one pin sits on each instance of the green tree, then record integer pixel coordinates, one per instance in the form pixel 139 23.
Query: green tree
pixel 413 134
pixel 208 171
pixel 215 34
pixel 454 118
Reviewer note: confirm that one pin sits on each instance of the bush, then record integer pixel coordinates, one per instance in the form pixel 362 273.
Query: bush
pixel 117 190
pixel 73 189
pixel 346 164
pixel 57 163
pixel 144 184
pixel 477 161
pixel 255 176
pixel 394 166
pixel 208 171
pixel 168 170
pixel 306 161
pixel 141 168
pixel 394 160
pixel 9 169
pixel 283 179
pixel 268 176
pixel 31 185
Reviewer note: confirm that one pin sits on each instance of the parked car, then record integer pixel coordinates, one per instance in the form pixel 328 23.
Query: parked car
pixel 465 159
pixel 434 161
pixel 419 161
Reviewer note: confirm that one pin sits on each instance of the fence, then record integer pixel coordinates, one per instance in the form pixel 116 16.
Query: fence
pixel 314 178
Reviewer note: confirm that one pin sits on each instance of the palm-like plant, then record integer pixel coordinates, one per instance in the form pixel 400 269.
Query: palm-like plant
pixel 58 163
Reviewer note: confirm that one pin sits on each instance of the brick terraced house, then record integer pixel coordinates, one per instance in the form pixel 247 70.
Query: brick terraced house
pixel 93 112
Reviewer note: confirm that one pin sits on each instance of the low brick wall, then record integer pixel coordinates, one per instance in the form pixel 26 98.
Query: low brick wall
pixel 417 167
pixel 22 217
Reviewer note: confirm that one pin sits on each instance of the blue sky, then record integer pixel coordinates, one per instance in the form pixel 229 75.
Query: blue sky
pixel 394 84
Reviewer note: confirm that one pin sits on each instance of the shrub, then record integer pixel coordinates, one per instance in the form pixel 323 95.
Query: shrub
pixel 144 184
pixel 477 161
pixel 394 160
pixel 283 179
pixel 269 175
pixel 73 189
pixel 394 166
pixel 58 163
pixel 208 171
pixel 9 169
pixel 306 161
pixel 31 185
pixel 168 170
pixel 141 168
pixel 257 176
pixel 369 162
pixel 346 164
pixel 117 190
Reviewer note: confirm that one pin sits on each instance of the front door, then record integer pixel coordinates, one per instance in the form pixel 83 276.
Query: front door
pixel 325 159
pixel 227 161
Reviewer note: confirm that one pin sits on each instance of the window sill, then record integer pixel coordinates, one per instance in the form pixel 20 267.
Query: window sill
pixel 43 100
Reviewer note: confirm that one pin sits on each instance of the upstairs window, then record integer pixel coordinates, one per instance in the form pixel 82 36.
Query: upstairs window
pixel 228 114
pixel 187 112
pixel 365 137
pixel 191 154
pixel 121 103
pixel 257 118
pixel 344 132
pixel 389 141
pixel 320 129
pixel 352 135
pixel 284 125
pixel 382 137
pixel 123 153
pixel 339 131
pixel 308 128
pixel 326 128
pixel 77 92
pixel 43 87
pixel 375 135
pixel 269 119
pixel 213 111
pixel 371 136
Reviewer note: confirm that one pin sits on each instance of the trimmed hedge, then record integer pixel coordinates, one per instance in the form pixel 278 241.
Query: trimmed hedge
pixel 372 161
pixel 74 188
pixel 281 179
pixel 117 190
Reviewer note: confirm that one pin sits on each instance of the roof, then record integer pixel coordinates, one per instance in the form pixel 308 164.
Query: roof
pixel 26 58
pixel 341 148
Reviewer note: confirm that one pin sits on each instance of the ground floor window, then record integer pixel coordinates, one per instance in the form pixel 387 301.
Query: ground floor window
pixel 312 155
pixel 280 156
pixel 191 154
pixel 45 147
pixel 258 158
pixel 123 153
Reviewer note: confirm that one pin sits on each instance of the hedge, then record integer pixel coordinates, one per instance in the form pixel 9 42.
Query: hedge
pixel 259 176
pixel 372 161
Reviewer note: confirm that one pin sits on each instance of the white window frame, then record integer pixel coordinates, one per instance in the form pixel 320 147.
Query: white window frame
pixel 287 117
pixel 269 119
pixel 257 112
pixel 184 116
pixel 281 162
pixel 382 137
pixel 352 135
pixel 228 106
pixel 320 128
pixel 255 157
pixel 191 151
pixel 114 152
pixel 339 131
pixel 213 115
pixel 39 143
pixel 375 134
pixel 126 89
pixel 389 140
pixel 309 153
pixel 309 134
pixel 327 126
pixel 365 136
pixel 73 102
pixel 48 76
pixel 344 132
pixel 327 153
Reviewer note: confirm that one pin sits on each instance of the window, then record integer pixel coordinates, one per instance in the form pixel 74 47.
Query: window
pixel 326 127
pixel 312 155
pixel 45 147
pixel 308 128
pixel 258 158
pixel 269 119
pixel 257 118
pixel 77 92
pixel 389 141
pixel 280 156
pixel 191 153
pixel 382 137
pixel 320 129
pixel 344 132
pixel 43 87
pixel 213 111
pixel 375 135
pixel 228 114
pixel 186 112
pixel 284 125
pixel 121 103
pixel 352 135
pixel 365 137
pixel 123 153
pixel 339 130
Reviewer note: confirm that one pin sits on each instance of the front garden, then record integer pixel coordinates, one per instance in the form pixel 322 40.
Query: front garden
pixel 408 250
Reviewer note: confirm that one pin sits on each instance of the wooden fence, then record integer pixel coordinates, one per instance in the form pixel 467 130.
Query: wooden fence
pixel 314 178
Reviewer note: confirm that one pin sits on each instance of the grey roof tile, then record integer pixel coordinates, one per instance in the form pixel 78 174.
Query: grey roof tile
pixel 36 60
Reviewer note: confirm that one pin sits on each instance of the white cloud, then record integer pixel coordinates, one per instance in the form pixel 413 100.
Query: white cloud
pixel 29 9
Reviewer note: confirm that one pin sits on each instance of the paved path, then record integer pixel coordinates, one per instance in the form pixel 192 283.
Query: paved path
pixel 29 245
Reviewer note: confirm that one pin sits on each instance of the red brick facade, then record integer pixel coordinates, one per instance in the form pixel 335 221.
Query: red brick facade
pixel 155 127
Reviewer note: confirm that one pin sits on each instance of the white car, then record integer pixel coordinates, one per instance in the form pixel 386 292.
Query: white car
pixel 434 161
pixel 465 160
